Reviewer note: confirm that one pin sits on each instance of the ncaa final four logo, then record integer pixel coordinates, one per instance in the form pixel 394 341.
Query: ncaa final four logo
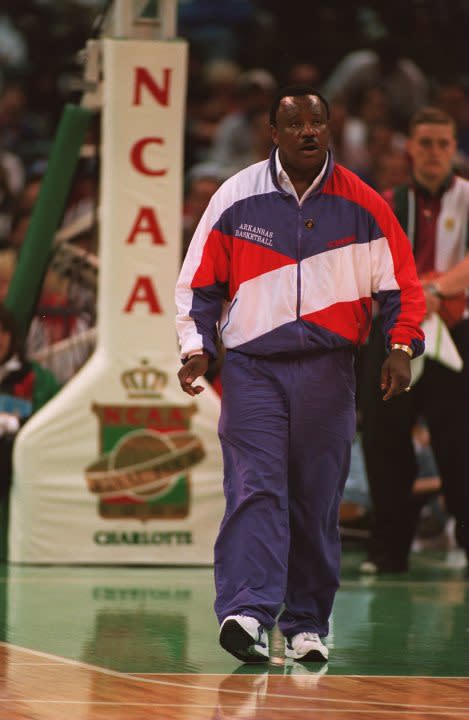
pixel 146 453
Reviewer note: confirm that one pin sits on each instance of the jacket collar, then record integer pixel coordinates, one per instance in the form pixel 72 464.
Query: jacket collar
pixel 422 190
pixel 273 172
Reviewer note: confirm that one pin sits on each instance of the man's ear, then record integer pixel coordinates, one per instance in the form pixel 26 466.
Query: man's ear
pixel 274 134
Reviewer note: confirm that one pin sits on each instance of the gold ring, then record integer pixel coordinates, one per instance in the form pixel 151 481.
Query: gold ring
pixel 407 388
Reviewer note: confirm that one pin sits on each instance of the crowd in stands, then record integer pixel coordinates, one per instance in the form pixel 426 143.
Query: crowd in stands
pixel 375 63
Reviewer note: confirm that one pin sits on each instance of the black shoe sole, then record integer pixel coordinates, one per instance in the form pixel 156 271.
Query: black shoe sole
pixel 235 640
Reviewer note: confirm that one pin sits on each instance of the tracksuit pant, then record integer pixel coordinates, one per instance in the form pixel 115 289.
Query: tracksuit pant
pixel 286 429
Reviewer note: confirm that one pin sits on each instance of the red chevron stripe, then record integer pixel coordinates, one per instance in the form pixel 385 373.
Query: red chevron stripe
pixel 341 183
pixel 215 261
pixel 235 259
pixel 250 261
pixel 349 319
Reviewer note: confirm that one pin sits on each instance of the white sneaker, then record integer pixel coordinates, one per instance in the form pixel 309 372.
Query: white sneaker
pixel 245 638
pixel 306 646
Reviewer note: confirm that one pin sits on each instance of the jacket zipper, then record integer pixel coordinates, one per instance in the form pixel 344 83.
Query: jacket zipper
pixel 298 267
pixel 228 317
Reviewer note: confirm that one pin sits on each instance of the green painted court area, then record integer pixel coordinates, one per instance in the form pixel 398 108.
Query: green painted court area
pixel 160 620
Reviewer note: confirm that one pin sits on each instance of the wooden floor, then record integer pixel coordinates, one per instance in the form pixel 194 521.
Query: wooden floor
pixel 141 644
pixel 42 687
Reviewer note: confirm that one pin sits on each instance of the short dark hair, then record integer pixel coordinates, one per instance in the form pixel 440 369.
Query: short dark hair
pixel 430 115
pixel 294 91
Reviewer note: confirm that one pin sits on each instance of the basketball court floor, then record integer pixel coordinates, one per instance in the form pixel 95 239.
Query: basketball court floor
pixel 115 643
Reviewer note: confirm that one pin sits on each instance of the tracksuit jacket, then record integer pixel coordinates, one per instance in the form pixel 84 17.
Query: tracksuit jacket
pixel 282 277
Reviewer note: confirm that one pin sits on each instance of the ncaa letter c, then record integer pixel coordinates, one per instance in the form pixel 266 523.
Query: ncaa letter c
pixel 136 156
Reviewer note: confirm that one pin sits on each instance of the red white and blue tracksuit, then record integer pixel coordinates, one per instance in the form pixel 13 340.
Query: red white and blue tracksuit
pixel 289 286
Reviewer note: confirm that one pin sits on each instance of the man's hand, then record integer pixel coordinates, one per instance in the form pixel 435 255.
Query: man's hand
pixel 395 374
pixel 196 366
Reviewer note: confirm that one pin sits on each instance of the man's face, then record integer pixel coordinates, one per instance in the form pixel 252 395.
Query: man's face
pixel 432 149
pixel 302 134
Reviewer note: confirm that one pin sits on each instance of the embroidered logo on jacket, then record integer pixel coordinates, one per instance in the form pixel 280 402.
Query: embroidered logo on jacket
pixel 342 242
pixel 255 233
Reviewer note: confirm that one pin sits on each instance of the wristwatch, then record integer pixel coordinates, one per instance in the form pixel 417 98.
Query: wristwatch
pixel 406 348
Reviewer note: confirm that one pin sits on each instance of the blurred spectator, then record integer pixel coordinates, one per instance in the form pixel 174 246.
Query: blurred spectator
pixel 259 136
pixel 221 79
pixel 203 116
pixel 337 123
pixel 217 29
pixel 82 200
pixel 391 169
pixel 403 83
pixel 434 211
pixel 212 95
pixel 234 137
pixel 67 303
pixel 19 228
pixel 322 34
pixel 7 268
pixel 368 132
pixel 24 387
pixel 6 207
pixel 372 106
pixel 201 183
pixel 13 169
pixel 59 316
pixel 28 196
pixel 13 48
pixel 451 96
pixel 383 142
pixel 302 72
pixel 16 129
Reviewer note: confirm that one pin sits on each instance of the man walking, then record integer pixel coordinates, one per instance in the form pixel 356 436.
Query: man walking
pixel 284 265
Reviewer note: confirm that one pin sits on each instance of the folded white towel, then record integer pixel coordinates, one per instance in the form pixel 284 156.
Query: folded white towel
pixel 439 346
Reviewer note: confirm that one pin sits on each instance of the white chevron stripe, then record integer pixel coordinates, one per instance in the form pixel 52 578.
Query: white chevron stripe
pixel 246 183
pixel 260 305
pixel 345 274
pixel 340 275
pixel 382 267
pixel 253 180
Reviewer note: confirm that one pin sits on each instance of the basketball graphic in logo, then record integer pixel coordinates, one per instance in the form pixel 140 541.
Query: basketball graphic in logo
pixel 146 453
pixel 144 462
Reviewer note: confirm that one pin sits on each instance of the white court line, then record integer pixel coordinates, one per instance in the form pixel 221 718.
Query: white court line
pixel 34 664
pixel 309 708
pixel 310 674
pixel 362 584
pixel 99 582
pixel 141 675
pixel 282 696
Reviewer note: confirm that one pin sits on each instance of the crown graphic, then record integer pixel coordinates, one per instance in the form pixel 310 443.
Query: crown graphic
pixel 144 381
